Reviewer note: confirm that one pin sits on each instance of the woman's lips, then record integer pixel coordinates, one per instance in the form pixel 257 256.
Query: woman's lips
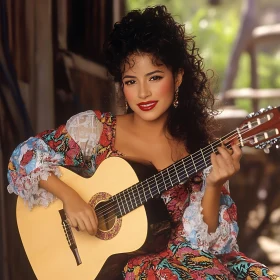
pixel 147 106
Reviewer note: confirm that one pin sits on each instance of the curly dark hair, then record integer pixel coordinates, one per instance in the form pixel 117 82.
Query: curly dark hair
pixel 155 32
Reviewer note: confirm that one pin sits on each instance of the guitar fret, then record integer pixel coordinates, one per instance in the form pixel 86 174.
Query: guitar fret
pixel 129 196
pixel 177 174
pixel 125 200
pixel 213 148
pixel 156 183
pixel 240 137
pixel 149 188
pixel 118 196
pixel 163 180
pixel 203 157
pixel 193 163
pixel 185 168
pixel 118 204
pixel 143 191
pixel 132 190
pixel 136 186
pixel 169 176
pixel 125 211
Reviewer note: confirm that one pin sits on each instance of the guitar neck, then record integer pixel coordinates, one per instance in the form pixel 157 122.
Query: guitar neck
pixel 177 173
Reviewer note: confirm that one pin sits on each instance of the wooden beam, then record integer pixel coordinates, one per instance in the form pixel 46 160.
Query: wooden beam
pixel 28 91
pixel 249 93
pixel 118 98
pixel 62 24
pixel 44 65
pixel 266 33
pixel 78 62
pixel 117 14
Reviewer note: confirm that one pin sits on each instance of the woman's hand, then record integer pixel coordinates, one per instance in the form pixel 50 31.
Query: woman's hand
pixel 225 164
pixel 80 214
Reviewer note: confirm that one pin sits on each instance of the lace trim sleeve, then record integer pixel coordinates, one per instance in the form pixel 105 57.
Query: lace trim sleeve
pixel 224 239
pixel 85 128
pixel 38 157
pixel 32 161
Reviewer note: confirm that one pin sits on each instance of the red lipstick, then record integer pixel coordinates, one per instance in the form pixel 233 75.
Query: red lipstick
pixel 147 106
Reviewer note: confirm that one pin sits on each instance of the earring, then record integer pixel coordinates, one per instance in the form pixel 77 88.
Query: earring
pixel 176 102
pixel 126 105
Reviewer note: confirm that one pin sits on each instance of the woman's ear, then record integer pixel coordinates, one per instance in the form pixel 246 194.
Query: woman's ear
pixel 179 77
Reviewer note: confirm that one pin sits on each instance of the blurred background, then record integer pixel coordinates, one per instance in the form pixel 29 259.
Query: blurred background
pixel 51 67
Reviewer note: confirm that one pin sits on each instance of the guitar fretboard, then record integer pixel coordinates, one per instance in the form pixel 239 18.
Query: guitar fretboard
pixel 177 173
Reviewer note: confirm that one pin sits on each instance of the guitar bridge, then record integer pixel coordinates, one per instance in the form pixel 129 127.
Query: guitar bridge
pixel 70 236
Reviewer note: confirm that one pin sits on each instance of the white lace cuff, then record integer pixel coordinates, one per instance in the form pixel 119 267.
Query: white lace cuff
pixel 223 240
pixel 27 187
pixel 32 161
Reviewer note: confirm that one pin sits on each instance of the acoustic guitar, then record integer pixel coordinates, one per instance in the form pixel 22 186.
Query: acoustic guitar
pixel 129 209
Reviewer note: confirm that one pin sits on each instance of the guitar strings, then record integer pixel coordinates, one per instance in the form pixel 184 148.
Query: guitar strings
pixel 194 156
pixel 113 210
pixel 172 175
pixel 112 213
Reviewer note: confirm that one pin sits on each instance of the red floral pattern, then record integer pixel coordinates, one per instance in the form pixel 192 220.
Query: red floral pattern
pixel 26 158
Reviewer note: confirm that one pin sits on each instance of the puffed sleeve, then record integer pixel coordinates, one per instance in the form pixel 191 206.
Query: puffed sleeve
pixel 39 156
pixel 224 239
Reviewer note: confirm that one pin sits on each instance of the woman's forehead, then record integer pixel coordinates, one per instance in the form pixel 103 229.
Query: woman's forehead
pixel 141 59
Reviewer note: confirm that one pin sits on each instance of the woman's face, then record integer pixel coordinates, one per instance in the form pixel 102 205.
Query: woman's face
pixel 148 87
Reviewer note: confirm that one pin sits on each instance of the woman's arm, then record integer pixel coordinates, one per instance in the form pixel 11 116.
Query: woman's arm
pixel 225 165
pixel 33 169
pixel 210 219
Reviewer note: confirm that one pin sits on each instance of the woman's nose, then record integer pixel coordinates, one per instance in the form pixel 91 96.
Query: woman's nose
pixel 144 92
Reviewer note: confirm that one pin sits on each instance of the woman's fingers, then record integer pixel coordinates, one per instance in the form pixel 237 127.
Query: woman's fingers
pixel 90 222
pixel 93 221
pixel 86 221
pixel 237 154
pixel 224 161
pixel 81 224
pixel 72 222
pixel 225 164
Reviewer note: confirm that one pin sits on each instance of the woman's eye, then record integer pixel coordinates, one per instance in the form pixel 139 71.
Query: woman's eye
pixel 154 78
pixel 130 82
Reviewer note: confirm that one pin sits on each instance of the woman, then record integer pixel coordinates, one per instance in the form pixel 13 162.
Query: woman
pixel 169 116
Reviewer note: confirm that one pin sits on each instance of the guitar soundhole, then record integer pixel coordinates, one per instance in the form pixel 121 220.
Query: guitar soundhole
pixel 106 210
pixel 106 215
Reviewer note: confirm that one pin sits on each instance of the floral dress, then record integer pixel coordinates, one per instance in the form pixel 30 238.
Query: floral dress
pixel 191 253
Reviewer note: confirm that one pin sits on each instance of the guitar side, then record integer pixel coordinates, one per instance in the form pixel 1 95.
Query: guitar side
pixel 44 239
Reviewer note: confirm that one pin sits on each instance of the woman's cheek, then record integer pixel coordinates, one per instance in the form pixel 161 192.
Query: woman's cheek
pixel 166 88
pixel 129 94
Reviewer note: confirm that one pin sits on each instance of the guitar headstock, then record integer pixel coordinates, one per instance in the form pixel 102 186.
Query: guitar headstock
pixel 261 129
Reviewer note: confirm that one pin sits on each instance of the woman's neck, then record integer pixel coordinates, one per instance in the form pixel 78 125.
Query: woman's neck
pixel 151 129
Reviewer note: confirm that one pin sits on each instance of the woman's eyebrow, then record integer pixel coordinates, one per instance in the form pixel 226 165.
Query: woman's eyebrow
pixel 148 74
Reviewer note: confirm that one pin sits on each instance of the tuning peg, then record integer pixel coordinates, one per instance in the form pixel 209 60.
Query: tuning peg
pixel 277 146
pixel 261 110
pixel 268 108
pixel 250 115
pixel 266 149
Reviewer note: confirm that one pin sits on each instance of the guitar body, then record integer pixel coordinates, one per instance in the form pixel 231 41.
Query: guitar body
pixel 102 257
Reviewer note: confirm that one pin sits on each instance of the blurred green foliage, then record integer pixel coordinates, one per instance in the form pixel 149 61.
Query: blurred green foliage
pixel 215 29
